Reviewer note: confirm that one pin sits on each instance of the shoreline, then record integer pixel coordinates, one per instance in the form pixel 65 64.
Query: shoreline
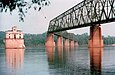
pixel 30 47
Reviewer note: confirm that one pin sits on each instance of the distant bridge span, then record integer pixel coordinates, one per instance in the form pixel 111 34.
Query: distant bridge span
pixel 86 13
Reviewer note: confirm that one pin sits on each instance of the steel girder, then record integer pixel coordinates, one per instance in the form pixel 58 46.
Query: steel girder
pixel 86 13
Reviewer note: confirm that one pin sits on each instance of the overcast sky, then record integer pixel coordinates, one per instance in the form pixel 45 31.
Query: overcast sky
pixel 35 22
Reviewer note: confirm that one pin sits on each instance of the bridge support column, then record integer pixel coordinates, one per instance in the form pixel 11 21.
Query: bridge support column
pixel 50 40
pixel 60 41
pixel 66 43
pixel 72 43
pixel 95 37
pixel 76 43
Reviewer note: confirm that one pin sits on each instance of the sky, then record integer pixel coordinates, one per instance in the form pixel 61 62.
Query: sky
pixel 36 23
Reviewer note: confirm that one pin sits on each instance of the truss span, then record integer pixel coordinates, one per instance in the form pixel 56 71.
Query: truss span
pixel 86 13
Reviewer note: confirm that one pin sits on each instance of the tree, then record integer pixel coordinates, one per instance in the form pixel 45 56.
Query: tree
pixel 22 6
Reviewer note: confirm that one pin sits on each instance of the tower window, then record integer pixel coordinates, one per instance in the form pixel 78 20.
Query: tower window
pixel 14 36
pixel 20 36
pixel 9 35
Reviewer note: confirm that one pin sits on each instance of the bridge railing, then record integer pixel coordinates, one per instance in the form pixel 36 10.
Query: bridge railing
pixel 86 13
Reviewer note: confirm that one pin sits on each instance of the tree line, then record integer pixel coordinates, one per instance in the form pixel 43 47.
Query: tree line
pixel 34 40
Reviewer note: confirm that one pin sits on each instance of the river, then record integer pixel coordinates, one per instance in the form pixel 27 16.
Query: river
pixel 58 61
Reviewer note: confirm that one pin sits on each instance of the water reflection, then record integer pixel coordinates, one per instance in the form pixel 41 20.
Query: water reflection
pixel 62 61
pixel 68 61
pixel 60 54
pixel 95 60
pixel 58 61
pixel 50 54
pixel 14 58
pixel 55 56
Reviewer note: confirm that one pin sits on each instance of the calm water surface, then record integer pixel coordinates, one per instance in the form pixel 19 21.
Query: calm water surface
pixel 58 61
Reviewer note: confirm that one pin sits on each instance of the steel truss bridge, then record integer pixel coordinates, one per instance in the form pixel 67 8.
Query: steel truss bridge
pixel 86 13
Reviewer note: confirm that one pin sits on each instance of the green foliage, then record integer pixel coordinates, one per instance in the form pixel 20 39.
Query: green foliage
pixel 34 40
pixel 82 39
pixel 2 36
pixel 22 6
pixel 109 40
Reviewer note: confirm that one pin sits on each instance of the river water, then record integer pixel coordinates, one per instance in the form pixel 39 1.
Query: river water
pixel 58 61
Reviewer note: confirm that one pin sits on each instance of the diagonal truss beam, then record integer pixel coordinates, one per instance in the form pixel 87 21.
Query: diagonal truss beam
pixel 86 13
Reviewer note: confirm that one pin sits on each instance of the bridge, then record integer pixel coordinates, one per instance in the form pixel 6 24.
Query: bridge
pixel 91 13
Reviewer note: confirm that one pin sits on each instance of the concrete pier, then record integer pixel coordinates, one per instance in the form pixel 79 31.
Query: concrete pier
pixel 95 37
pixel 76 44
pixel 50 40
pixel 60 41
pixel 72 43
pixel 66 43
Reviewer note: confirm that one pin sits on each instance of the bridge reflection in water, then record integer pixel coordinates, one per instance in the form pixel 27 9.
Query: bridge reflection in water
pixel 96 60
pixel 68 61
pixel 14 58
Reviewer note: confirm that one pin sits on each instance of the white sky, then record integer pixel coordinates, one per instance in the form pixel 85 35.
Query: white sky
pixel 35 22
